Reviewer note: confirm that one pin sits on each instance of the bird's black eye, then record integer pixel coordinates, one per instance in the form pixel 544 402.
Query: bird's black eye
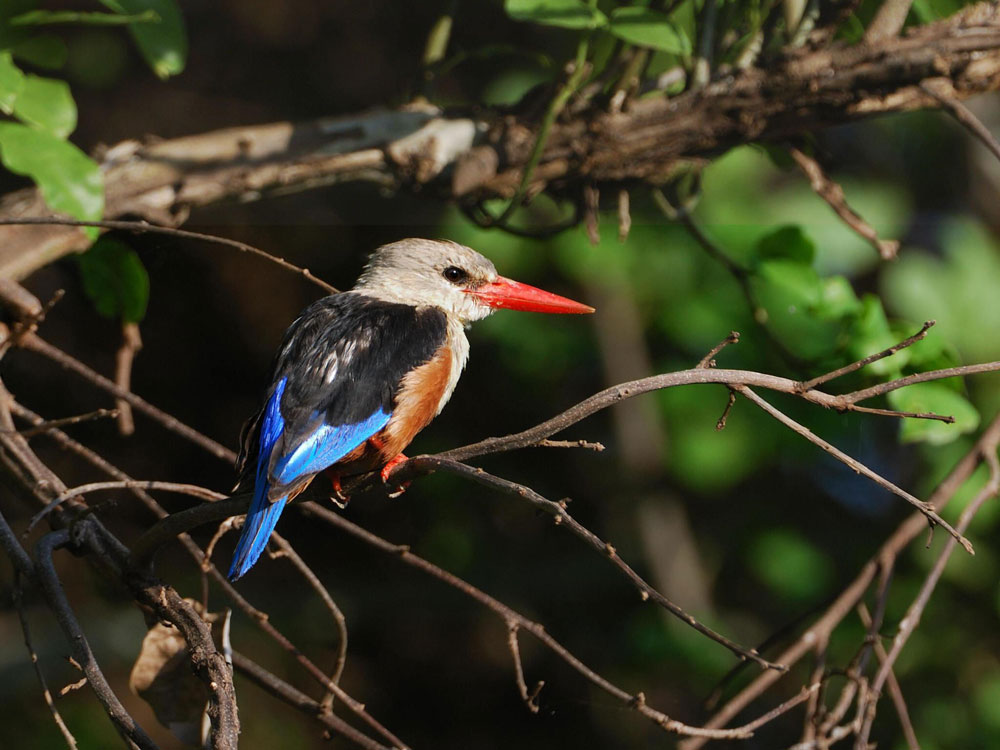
pixel 455 275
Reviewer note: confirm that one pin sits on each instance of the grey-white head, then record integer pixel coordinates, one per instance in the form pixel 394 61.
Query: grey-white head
pixel 454 278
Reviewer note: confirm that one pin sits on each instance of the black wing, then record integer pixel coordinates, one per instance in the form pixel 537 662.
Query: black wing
pixel 342 360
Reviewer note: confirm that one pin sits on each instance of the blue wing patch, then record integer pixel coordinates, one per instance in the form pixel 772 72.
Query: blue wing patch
pixel 323 448
pixel 327 445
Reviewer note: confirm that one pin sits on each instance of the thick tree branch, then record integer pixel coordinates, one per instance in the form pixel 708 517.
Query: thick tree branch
pixel 486 156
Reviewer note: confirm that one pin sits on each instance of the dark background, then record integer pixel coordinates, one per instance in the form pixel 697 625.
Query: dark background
pixel 749 528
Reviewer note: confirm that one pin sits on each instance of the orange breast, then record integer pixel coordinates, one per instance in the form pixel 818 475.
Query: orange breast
pixel 417 403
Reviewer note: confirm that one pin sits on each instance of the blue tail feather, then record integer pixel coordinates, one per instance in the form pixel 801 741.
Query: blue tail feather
pixel 326 445
pixel 257 528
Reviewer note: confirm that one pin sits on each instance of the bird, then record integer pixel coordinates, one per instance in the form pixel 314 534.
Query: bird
pixel 360 373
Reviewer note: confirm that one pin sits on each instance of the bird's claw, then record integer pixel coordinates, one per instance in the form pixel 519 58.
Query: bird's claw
pixel 387 470
pixel 338 496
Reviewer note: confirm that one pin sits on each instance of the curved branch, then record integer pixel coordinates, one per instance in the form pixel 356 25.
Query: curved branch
pixel 126 726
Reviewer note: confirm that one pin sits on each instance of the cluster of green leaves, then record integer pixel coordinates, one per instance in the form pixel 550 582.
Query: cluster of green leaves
pixel 41 115
pixel 41 110
pixel 637 24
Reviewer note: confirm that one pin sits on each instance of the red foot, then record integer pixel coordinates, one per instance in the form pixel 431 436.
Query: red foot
pixel 387 470
pixel 338 497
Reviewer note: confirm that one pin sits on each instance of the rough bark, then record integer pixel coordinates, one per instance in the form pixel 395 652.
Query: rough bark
pixel 475 157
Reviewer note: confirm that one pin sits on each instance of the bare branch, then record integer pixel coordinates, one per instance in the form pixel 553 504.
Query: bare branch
pixel 142 227
pixel 561 516
pixel 895 691
pixel 849 399
pixel 34 343
pixel 127 351
pixel 709 359
pixel 808 385
pixel 46 693
pixel 65 421
pixel 132 484
pixel 637 702
pixel 331 606
pixel 833 194
pixel 48 579
pixel 530 699
pixel 939 90
pixel 588 445
pixel 293 697
pixel 925 508
pixel 845 602
pixel 911 619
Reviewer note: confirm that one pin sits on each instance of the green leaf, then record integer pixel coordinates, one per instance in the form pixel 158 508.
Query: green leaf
pixel 871 334
pixel 939 399
pixel 42 50
pixel 49 17
pixel 11 83
pixel 570 14
pixel 70 181
pixel 789 242
pixel 838 299
pixel 648 28
pixel 48 104
pixel 789 284
pixel 163 45
pixel 927 11
pixel 115 280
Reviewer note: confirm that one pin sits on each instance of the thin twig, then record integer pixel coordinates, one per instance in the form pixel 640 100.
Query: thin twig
pixel 911 619
pixel 51 424
pixel 808 385
pixel 946 418
pixel 331 606
pixel 587 444
pixel 193 490
pixel 35 343
pixel 127 727
pixel 142 227
pixel 709 359
pixel 402 552
pixel 33 655
pixel 299 700
pixel 926 508
pixel 849 399
pixel 130 346
pixel 895 691
pixel 530 699
pixel 845 602
pixel 833 194
pixel 578 71
pixel 563 518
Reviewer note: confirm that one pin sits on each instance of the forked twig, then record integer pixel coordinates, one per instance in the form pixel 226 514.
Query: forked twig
pixel 926 508
pixel 808 385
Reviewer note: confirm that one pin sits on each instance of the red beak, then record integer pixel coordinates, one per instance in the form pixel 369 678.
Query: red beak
pixel 513 295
